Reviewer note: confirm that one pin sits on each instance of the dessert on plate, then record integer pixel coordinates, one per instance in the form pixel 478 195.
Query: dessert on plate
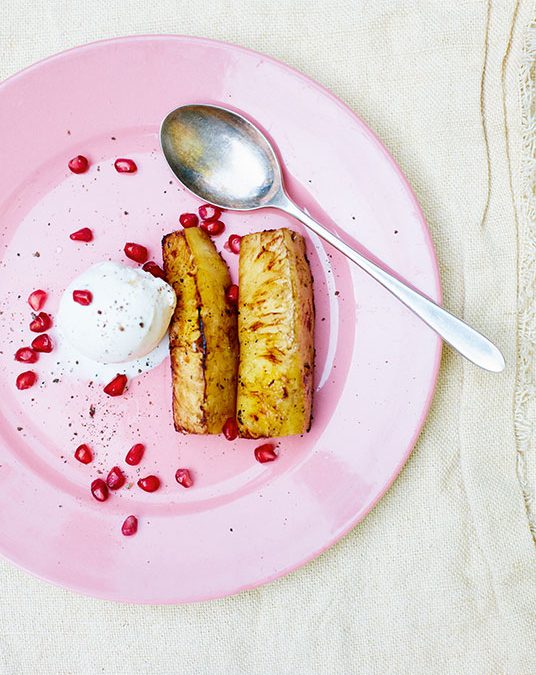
pixel 275 328
pixel 241 355
pixel 268 343
pixel 112 313
pixel 203 339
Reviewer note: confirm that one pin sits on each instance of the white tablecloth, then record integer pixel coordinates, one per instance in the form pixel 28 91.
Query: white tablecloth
pixel 441 577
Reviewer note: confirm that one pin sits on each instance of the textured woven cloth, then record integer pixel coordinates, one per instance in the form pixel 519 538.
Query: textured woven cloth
pixel 441 576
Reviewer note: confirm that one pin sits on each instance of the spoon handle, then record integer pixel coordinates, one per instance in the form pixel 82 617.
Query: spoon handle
pixel 471 344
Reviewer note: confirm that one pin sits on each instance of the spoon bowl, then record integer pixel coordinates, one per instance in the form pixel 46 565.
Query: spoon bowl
pixel 221 157
pixel 224 159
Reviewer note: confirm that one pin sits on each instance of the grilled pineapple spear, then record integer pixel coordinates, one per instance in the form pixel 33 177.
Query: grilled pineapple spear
pixel 203 333
pixel 275 327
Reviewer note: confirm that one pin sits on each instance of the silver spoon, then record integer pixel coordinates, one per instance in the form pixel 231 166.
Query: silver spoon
pixel 224 159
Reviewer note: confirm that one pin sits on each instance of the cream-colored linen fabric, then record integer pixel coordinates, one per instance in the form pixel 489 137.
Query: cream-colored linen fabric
pixel 441 577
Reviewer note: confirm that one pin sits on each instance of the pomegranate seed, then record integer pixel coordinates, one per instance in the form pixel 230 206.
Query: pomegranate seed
pixel 230 429
pixel 117 386
pixel 188 219
pixel 83 454
pixel 26 380
pixel 208 212
pixel 79 164
pixel 37 300
pixel 135 454
pixel 123 165
pixel 213 227
pixel 85 234
pixel 26 355
pixel 149 483
pixel 265 453
pixel 41 323
pixel 83 297
pixel 130 526
pixel 154 269
pixel 136 252
pixel 231 294
pixel 234 243
pixel 99 490
pixel 42 343
pixel 115 479
pixel 184 478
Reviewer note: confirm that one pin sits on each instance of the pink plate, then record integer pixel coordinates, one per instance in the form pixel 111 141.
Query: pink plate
pixel 242 523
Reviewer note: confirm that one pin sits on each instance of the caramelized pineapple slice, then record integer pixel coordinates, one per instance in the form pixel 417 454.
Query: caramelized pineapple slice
pixel 275 329
pixel 203 333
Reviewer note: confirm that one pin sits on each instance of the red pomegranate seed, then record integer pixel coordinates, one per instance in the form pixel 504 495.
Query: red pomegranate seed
pixel 213 227
pixel 154 269
pixel 83 297
pixel 37 300
pixel 42 343
pixel 79 164
pixel 130 526
pixel 184 478
pixel 234 243
pixel 41 323
pixel 208 212
pixel 136 252
pixel 188 219
pixel 230 429
pixel 83 454
pixel 99 490
pixel 149 483
pixel 115 479
pixel 123 165
pixel 85 234
pixel 265 453
pixel 26 380
pixel 26 355
pixel 135 454
pixel 231 294
pixel 117 386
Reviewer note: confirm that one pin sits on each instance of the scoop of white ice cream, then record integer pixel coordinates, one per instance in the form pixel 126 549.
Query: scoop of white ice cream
pixel 127 318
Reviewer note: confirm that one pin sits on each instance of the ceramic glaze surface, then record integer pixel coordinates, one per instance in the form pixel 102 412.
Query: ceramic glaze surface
pixel 242 523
